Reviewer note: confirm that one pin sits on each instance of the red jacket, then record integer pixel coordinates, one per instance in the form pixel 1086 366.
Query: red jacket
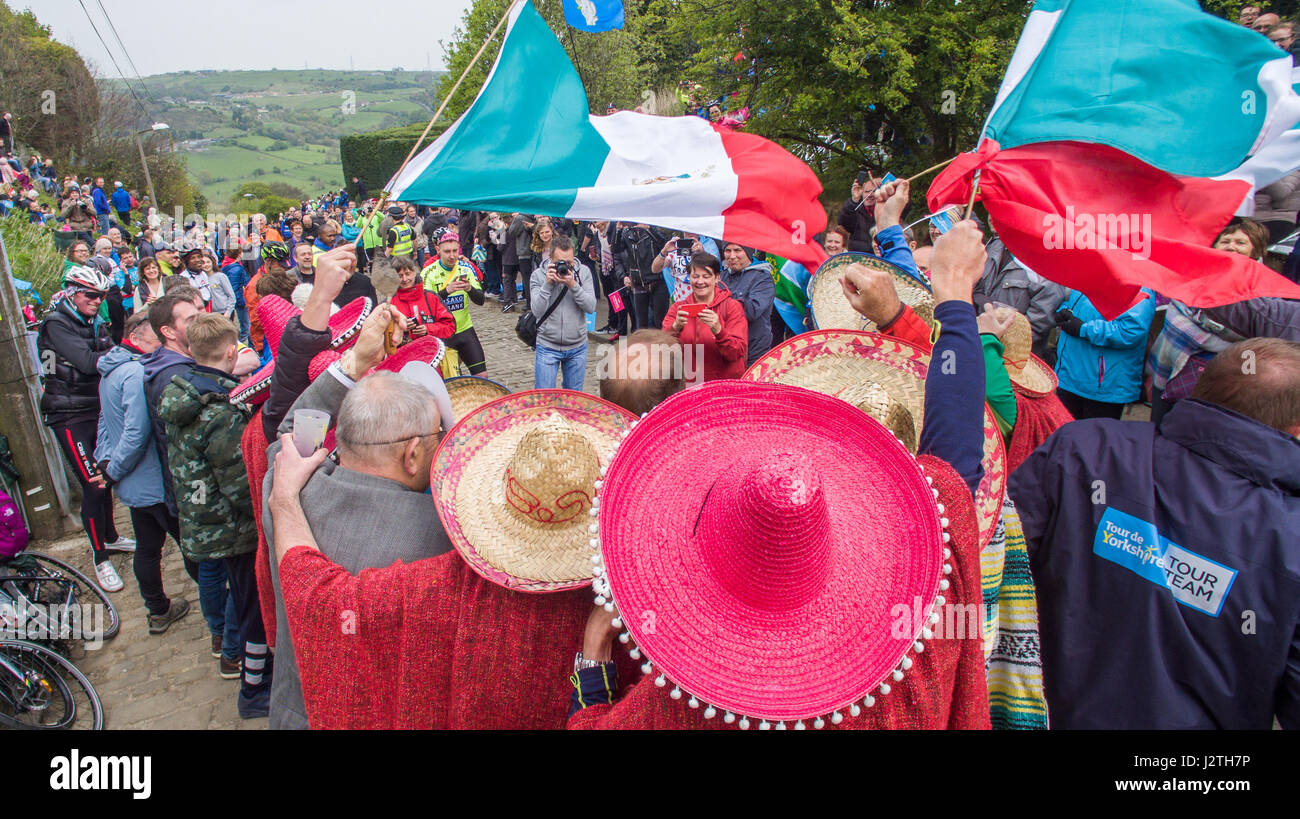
pixel 430 644
pixel 945 688
pixel 724 353
pixel 433 314
pixel 253 445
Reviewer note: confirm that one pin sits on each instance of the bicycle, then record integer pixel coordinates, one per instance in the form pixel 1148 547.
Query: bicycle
pixel 39 689
pixel 49 597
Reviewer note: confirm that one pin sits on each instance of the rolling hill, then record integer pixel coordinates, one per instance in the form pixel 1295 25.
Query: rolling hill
pixel 281 125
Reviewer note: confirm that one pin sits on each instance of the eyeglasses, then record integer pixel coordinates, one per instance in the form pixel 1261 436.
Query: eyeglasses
pixel 386 443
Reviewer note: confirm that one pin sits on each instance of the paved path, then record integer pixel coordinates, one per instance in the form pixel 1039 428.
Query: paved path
pixel 170 680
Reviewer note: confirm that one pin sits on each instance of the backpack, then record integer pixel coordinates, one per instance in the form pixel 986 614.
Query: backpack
pixel 526 327
pixel 13 531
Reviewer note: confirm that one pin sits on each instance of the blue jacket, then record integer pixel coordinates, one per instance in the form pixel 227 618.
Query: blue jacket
pixel 238 277
pixel 101 200
pixel 125 437
pixel 121 200
pixel 1105 362
pixel 1167 566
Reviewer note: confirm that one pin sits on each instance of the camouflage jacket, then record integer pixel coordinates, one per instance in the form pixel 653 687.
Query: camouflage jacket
pixel 207 467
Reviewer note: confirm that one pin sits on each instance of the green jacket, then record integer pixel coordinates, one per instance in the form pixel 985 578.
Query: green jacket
pixel 207 467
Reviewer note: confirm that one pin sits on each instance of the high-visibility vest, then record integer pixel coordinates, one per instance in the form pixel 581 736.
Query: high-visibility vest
pixel 404 246
pixel 370 237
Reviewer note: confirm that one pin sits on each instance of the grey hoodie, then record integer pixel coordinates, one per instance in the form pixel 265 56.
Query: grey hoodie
pixel 566 328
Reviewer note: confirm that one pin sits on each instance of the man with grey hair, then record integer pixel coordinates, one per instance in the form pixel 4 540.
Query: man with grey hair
pixel 389 426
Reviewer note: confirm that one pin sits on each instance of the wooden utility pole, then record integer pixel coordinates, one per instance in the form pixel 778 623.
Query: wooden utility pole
pixel 44 484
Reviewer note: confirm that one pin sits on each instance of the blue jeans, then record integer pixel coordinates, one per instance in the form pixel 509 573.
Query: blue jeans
pixel 218 607
pixel 547 365
pixel 491 276
pixel 104 220
pixel 242 314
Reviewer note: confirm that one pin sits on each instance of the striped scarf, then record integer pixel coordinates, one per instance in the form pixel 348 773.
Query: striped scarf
pixel 1012 661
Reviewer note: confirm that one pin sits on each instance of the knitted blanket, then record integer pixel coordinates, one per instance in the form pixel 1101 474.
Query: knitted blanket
pixel 1012 661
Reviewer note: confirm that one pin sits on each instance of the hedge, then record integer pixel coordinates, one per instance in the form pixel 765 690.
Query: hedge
pixel 375 156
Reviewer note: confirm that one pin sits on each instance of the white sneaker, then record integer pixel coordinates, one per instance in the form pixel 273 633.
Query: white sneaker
pixel 107 576
pixel 122 544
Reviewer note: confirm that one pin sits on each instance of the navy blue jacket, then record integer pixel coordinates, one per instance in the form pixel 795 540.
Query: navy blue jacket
pixel 1167 564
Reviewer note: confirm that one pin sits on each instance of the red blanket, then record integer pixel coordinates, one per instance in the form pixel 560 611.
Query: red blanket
pixel 1037 417
pixel 253 445
pixel 430 644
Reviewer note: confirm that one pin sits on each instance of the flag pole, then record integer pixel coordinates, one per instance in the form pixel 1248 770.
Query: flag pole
pixel 379 206
pixel 974 189
pixel 928 170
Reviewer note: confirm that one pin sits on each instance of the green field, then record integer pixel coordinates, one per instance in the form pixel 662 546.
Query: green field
pixel 282 126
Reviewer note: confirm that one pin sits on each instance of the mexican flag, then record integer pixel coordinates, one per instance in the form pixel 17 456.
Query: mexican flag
pixel 528 143
pixel 1125 135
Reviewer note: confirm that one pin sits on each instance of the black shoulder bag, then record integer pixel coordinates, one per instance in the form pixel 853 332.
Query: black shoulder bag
pixel 526 327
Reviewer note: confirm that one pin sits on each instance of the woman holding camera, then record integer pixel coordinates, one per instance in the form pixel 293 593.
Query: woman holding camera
pixel 710 324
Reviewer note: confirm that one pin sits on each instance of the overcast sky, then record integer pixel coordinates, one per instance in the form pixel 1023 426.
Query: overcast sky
pixel 187 35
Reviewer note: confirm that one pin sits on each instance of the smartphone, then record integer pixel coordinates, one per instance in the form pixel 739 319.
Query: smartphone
pixel 862 177
pixel 684 244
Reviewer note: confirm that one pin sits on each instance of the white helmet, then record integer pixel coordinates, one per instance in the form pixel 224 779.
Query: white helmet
pixel 87 278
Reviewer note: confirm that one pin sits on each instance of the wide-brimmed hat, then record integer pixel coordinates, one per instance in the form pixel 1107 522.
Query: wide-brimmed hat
pixel 1029 373
pixel 767 583
pixel 884 377
pixel 831 311
pixel 275 313
pixel 514 483
pixel 469 392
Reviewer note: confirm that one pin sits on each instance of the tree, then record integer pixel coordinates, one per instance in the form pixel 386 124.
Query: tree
pixel 47 88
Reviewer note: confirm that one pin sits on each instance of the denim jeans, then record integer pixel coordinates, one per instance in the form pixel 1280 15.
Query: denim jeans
pixel 104 223
pixel 218 607
pixel 242 314
pixel 549 362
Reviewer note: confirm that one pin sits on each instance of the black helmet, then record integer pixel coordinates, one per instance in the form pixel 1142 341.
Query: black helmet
pixel 275 251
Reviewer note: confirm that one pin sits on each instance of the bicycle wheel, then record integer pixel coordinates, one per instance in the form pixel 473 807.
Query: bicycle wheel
pixel 33 693
pixel 86 711
pixel 55 593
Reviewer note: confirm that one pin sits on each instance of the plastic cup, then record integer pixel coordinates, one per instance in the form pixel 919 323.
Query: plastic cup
pixel 309 430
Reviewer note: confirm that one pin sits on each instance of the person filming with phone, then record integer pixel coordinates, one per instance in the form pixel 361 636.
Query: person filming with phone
pixel 562 337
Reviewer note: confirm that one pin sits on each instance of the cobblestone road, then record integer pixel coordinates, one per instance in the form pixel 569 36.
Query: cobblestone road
pixel 170 680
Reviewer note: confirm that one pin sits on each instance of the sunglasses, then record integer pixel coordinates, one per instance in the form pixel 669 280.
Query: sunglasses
pixel 92 295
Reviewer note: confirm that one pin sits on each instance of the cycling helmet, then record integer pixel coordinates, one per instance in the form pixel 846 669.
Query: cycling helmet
pixel 275 251
pixel 185 247
pixel 84 277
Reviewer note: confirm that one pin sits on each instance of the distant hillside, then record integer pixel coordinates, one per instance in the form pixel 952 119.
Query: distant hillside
pixel 281 126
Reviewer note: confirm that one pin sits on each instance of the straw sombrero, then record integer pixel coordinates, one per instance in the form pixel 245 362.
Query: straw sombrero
pixel 514 481
pixel 1029 373
pixel 767 583
pixel 469 392
pixel 274 313
pixel 831 311
pixel 885 377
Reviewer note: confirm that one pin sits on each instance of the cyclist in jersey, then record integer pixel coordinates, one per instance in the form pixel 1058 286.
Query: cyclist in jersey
pixel 426 314
pixel 453 278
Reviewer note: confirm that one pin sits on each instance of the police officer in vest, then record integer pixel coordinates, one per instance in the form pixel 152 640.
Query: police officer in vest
pixel 400 238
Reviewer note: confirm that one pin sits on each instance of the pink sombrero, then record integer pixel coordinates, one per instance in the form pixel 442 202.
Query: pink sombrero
pixel 843 362
pixel 766 584
pixel 513 483
pixel 274 313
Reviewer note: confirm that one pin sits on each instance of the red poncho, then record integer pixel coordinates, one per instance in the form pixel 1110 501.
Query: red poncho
pixel 1037 417
pixel 945 687
pixel 253 446
pixel 430 644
